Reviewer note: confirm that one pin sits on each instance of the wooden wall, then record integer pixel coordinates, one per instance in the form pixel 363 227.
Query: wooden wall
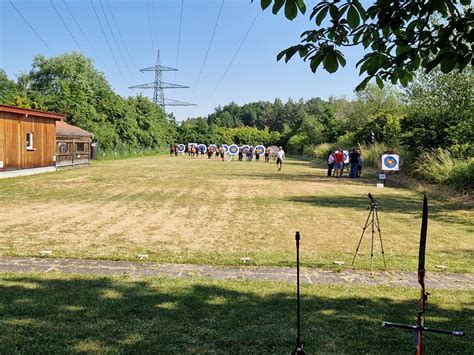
pixel 13 152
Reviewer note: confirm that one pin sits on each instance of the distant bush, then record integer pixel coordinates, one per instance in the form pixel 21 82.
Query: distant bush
pixel 439 166
pixel 123 151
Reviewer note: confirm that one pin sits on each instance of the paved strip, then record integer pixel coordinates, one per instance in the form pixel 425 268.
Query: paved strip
pixel 439 280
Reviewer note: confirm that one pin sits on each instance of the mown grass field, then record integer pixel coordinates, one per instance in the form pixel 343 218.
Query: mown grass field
pixel 49 314
pixel 212 212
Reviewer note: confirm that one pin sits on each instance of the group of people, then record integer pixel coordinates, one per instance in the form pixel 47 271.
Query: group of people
pixel 336 163
pixel 249 152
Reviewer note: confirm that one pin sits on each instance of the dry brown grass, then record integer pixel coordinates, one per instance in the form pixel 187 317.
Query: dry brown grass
pixel 184 210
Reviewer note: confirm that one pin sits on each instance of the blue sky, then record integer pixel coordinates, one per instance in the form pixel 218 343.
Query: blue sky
pixel 254 74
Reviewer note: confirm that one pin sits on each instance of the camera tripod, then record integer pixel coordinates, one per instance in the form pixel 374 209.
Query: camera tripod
pixel 373 220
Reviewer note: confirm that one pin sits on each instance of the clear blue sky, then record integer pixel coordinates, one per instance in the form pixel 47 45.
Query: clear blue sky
pixel 254 75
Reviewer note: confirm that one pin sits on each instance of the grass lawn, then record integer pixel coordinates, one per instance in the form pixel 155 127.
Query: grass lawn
pixel 63 314
pixel 212 212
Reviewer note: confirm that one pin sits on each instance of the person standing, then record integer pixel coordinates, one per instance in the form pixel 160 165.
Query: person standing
pixel 241 154
pixel 267 155
pixel 280 156
pixel 354 160
pixel 330 161
pixel 222 152
pixel 339 162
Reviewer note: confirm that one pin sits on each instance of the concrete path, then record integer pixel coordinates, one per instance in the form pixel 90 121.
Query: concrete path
pixel 440 280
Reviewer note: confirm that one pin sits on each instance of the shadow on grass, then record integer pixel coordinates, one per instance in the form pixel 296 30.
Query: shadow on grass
pixel 390 203
pixel 51 315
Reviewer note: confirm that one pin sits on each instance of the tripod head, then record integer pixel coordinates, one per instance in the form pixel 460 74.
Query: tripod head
pixel 372 201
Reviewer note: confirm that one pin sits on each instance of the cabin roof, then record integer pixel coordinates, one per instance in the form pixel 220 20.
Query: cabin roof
pixel 30 112
pixel 63 129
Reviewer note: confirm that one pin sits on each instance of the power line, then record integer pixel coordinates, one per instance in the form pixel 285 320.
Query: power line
pixel 64 23
pixel 236 53
pixel 80 30
pixel 114 38
pixel 120 34
pixel 107 40
pixel 149 25
pixel 208 47
pixel 179 39
pixel 31 26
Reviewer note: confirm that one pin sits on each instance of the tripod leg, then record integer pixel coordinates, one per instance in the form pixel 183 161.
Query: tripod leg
pixel 380 237
pixel 361 236
pixel 372 243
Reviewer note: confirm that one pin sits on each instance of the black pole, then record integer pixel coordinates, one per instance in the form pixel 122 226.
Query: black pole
pixel 299 349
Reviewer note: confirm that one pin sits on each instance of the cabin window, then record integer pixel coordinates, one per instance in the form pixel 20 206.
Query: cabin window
pixel 80 147
pixel 29 141
pixel 63 147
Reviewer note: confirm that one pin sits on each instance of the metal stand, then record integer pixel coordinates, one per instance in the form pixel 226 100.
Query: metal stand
pixel 299 349
pixel 373 220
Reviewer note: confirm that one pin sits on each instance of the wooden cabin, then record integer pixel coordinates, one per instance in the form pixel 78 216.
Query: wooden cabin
pixel 73 145
pixel 27 139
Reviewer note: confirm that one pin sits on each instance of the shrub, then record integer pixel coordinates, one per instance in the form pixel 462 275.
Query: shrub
pixel 439 166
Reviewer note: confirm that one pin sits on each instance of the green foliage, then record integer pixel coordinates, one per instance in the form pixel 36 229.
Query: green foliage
pixel 123 151
pixel 399 37
pixel 70 84
pixel 440 113
pixel 439 166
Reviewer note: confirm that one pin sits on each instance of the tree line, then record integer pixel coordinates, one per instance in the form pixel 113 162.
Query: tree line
pixel 434 112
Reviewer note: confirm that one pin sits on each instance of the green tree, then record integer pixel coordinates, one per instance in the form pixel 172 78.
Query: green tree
pixel 440 113
pixel 399 37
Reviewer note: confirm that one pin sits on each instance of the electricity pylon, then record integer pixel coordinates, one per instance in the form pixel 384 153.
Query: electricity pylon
pixel 159 85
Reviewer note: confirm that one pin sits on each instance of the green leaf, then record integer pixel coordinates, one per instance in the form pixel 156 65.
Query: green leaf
pixel 465 2
pixel 363 84
pixel 379 82
pixel 316 61
pixel 301 6
pixel 333 10
pixel 322 15
pixel 448 64
pixel 353 18
pixel 265 3
pixel 291 11
pixel 340 59
pixel 361 9
pixel 330 62
pixel 277 6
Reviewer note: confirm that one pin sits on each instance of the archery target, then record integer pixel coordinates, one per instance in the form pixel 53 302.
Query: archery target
pixel 391 162
pixel 213 146
pixel 346 156
pixel 226 148
pixel 245 147
pixel 260 149
pixel 273 150
pixel 233 149
pixel 202 148
pixel 181 148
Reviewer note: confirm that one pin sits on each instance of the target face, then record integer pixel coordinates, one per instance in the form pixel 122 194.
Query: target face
pixel 226 148
pixel 391 162
pixel 213 146
pixel 181 148
pixel 233 149
pixel 346 156
pixel 202 148
pixel 245 148
pixel 273 150
pixel 260 149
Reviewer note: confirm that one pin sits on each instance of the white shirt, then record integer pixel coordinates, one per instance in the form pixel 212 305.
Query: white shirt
pixel 281 154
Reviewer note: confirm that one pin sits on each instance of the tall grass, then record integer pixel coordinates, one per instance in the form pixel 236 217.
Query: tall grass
pixel 124 151
pixel 440 166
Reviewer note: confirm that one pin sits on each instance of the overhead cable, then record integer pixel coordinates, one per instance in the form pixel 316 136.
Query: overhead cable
pixel 107 40
pixel 208 47
pixel 64 23
pixel 120 34
pixel 31 26
pixel 236 52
